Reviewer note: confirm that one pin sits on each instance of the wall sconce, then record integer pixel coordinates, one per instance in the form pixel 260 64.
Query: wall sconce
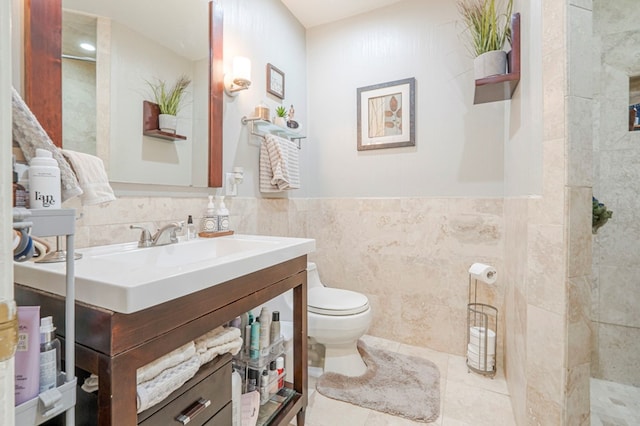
pixel 240 77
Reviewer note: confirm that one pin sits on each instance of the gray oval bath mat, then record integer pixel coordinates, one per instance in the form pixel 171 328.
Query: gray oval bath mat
pixel 401 385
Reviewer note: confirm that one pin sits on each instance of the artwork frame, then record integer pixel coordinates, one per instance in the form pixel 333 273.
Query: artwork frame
pixel 382 118
pixel 275 81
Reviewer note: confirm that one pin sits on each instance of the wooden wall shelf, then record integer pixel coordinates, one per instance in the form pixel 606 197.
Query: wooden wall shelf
pixel 150 112
pixel 501 87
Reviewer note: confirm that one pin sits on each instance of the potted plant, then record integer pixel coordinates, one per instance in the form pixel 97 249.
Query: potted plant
pixel 489 30
pixel 281 116
pixel 169 101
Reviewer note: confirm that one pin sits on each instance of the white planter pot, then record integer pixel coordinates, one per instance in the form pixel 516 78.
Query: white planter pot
pixel 167 123
pixel 280 121
pixel 489 64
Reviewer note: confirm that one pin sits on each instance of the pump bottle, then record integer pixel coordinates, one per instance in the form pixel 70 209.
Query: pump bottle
pixel 50 362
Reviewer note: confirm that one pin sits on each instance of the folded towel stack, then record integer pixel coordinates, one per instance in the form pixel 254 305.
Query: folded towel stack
pixel 218 341
pixel 153 391
pixel 154 368
pixel 92 177
pixel 279 164
pixel 156 380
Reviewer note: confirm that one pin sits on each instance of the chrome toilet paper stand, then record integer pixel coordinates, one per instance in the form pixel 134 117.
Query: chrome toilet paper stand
pixel 482 318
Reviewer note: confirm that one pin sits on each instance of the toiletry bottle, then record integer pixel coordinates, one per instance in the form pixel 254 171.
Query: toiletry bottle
pixel 273 378
pixel 44 181
pixel 280 370
pixel 191 229
pixel 264 387
pixel 223 214
pixel 254 352
pixel 210 219
pixel 49 355
pixel 236 398
pixel 275 326
pixel 265 329
pixel 26 357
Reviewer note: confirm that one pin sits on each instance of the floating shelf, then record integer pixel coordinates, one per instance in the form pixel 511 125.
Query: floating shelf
pixel 150 114
pixel 260 127
pixel 501 87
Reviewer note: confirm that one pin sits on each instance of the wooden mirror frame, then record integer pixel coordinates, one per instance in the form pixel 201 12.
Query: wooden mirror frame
pixel 43 74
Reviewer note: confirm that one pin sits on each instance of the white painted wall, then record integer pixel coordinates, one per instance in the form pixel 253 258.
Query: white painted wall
pixel 266 32
pixel 523 127
pixel 459 146
pixel 7 416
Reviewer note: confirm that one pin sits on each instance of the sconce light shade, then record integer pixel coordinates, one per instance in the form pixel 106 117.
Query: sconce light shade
pixel 240 77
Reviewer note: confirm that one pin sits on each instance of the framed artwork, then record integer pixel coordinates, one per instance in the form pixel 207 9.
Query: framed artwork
pixel 275 81
pixel 386 115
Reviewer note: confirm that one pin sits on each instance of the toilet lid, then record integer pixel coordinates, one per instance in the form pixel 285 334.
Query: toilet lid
pixel 335 301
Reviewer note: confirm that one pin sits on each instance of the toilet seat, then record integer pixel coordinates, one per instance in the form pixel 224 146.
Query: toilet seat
pixel 336 302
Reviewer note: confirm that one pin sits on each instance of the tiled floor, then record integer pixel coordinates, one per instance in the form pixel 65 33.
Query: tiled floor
pixel 614 404
pixel 466 398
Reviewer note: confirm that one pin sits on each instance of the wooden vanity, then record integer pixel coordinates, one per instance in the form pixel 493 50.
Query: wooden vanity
pixel 114 345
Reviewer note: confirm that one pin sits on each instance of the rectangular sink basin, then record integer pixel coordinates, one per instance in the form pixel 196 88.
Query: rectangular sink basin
pixel 126 279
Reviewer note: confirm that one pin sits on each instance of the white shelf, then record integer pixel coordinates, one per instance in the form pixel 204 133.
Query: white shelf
pixel 47 223
pixel 260 127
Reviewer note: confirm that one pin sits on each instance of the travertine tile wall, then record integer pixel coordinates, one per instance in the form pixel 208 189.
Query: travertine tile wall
pixel 409 256
pixel 548 242
pixel 616 269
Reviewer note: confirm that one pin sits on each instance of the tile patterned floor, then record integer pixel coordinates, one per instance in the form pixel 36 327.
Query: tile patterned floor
pixel 614 404
pixel 467 399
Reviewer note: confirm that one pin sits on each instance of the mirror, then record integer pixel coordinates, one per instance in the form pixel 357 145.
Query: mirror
pixel 137 42
pixel 634 103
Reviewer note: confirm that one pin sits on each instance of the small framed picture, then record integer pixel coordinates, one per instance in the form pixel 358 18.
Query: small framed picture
pixel 275 81
pixel 386 115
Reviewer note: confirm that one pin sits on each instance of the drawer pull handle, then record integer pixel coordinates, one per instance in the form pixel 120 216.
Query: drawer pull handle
pixel 195 409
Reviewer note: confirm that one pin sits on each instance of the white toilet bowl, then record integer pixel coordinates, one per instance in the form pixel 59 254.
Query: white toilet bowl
pixel 336 318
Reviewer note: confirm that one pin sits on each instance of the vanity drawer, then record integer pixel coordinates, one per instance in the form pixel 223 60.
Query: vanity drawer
pixel 212 384
pixel 223 418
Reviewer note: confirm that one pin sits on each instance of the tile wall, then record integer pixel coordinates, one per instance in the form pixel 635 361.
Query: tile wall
pixel 616 268
pixel 409 256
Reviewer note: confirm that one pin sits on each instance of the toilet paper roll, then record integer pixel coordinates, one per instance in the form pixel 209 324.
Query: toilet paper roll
pixel 484 273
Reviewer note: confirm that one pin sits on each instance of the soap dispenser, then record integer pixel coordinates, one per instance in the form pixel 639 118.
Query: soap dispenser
pixel 223 214
pixel 210 219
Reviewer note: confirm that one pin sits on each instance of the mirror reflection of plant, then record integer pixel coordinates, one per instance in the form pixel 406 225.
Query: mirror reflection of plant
pixel 169 100
pixel 489 29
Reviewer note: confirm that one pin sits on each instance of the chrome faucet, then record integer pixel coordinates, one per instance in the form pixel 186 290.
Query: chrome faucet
pixel 163 236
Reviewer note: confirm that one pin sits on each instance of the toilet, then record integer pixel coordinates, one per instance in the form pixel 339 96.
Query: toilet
pixel 336 318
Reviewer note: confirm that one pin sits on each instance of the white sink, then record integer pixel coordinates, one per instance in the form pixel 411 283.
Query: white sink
pixel 125 278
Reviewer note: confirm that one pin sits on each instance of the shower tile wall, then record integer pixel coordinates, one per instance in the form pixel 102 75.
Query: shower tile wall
pixel 616 265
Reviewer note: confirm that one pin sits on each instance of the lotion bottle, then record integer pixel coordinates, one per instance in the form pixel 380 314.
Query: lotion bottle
pixel 191 229
pixel 265 329
pixel 49 355
pixel 44 181
pixel 210 219
pixel 236 398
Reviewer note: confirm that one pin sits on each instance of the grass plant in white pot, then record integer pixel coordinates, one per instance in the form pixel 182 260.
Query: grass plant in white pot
pixel 169 101
pixel 488 26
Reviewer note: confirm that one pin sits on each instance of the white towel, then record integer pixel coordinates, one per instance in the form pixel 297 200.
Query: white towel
pixel 216 337
pixel 151 392
pixel 92 177
pixel 30 135
pixel 279 164
pixel 232 347
pixel 154 368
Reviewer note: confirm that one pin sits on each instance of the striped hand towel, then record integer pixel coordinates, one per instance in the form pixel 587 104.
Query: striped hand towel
pixel 279 168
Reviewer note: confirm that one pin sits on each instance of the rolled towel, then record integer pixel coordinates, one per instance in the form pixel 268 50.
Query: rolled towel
pixel 92 177
pixel 154 368
pixel 232 347
pixel 216 337
pixel 151 392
